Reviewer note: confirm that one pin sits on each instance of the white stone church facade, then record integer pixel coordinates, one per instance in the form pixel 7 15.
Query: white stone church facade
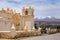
pixel 8 17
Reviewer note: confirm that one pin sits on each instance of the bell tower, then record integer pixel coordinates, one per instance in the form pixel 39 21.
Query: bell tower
pixel 27 11
pixel 28 18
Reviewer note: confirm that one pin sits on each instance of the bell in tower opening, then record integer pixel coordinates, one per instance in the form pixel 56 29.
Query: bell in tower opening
pixel 26 12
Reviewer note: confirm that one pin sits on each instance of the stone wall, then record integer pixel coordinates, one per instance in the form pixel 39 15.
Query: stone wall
pixel 58 30
pixel 5 34
pixel 27 34
pixel 49 30
pixel 17 34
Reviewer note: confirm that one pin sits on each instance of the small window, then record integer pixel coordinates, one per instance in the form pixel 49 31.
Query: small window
pixel 26 12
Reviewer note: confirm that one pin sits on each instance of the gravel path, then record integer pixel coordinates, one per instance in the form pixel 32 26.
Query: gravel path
pixel 48 37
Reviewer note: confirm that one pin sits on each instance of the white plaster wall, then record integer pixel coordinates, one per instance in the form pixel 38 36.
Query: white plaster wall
pixel 5 26
pixel 4 22
pixel 28 25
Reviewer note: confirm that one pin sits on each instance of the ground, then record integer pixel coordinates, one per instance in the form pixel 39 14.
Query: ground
pixel 45 37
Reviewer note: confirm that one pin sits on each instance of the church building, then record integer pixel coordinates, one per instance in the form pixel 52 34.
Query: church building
pixel 21 22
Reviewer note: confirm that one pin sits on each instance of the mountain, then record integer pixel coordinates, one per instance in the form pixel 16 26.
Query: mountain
pixel 48 19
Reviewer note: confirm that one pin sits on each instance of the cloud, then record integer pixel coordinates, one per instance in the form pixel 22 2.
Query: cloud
pixel 16 0
pixel 42 8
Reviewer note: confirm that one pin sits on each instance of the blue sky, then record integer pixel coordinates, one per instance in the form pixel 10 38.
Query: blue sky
pixel 42 8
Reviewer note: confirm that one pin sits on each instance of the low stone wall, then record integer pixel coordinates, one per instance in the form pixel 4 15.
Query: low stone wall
pixel 5 34
pixel 58 30
pixel 9 34
pixel 27 33
pixel 49 30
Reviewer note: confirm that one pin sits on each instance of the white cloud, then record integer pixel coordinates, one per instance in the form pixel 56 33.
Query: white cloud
pixel 38 8
pixel 5 4
pixel 17 0
pixel 12 0
pixel 39 0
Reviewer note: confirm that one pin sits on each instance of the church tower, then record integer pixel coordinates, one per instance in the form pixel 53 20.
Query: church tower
pixel 28 18
pixel 27 11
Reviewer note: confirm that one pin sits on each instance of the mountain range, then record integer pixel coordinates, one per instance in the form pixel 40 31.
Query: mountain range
pixel 48 19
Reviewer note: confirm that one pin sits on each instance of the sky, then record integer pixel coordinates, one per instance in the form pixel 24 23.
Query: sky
pixel 42 8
